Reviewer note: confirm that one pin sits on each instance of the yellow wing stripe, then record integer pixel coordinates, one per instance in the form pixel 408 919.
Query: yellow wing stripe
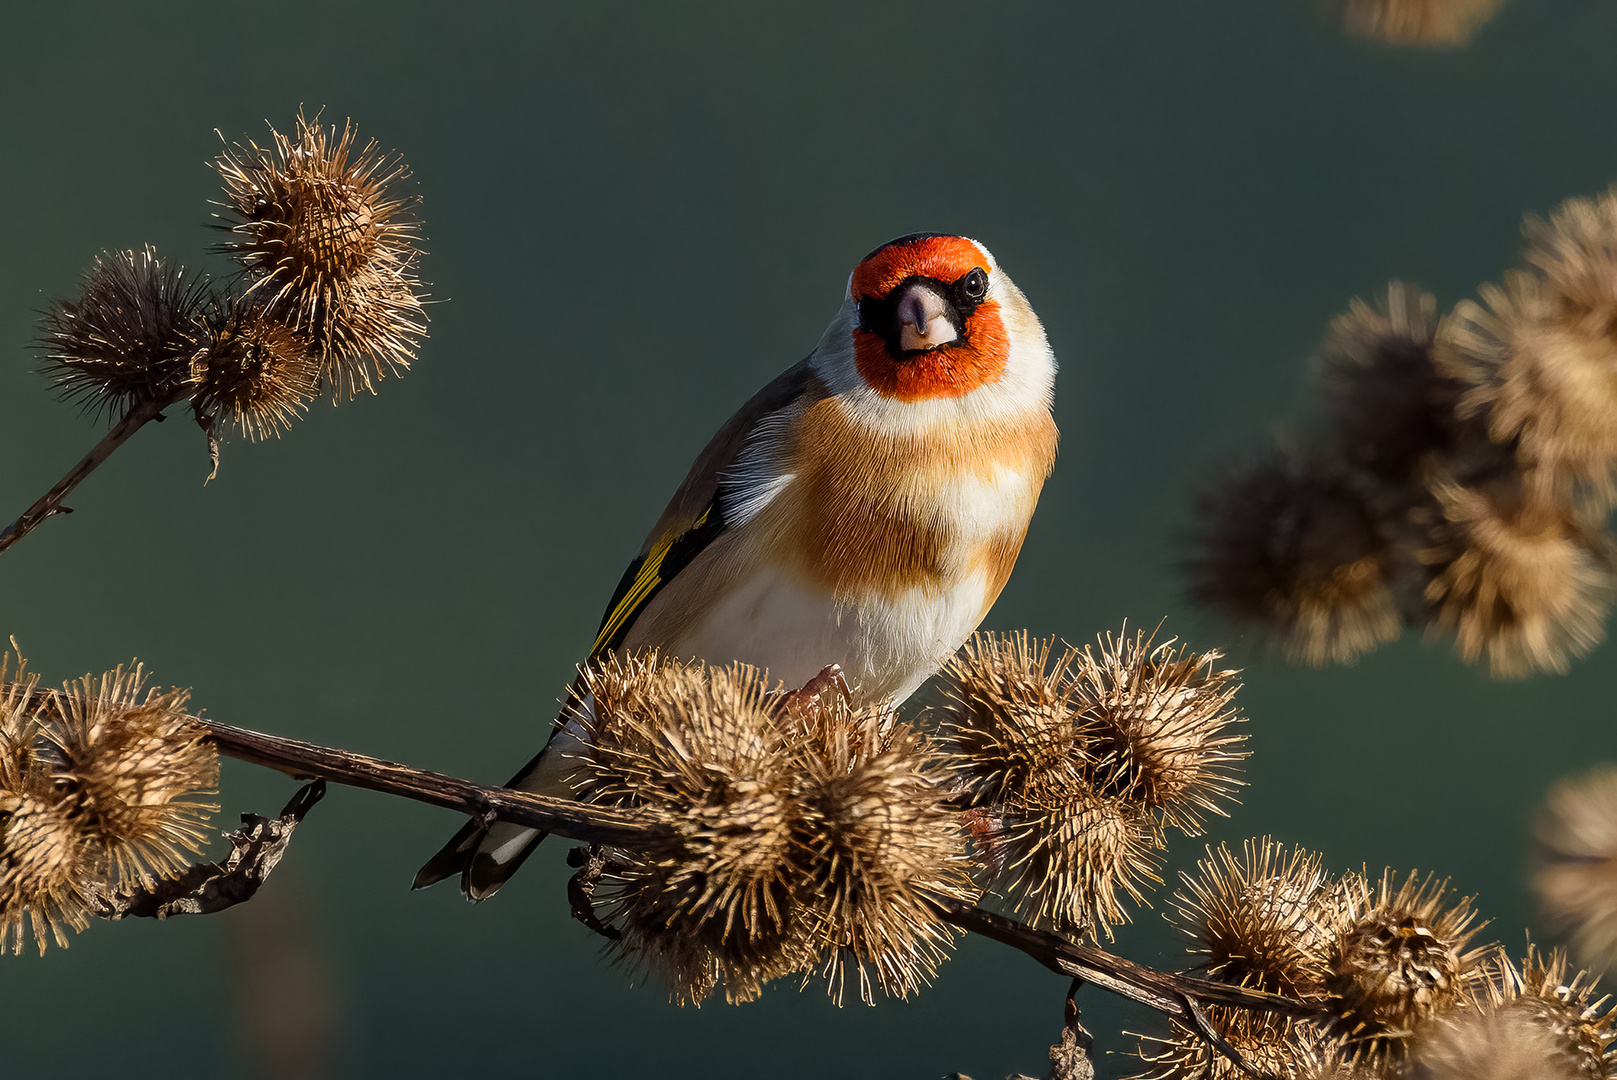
pixel 645 581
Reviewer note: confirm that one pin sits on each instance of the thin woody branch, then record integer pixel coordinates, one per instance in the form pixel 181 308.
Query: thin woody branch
pixel 50 503
pixel 1169 993
pixel 565 817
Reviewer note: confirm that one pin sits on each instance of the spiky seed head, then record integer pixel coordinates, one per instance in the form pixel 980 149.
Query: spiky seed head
pixel 877 845
pixel 1020 738
pixel 805 839
pixel 1017 734
pixel 1432 24
pixel 129 336
pixel 1544 993
pixel 1472 1044
pixel 130 765
pixel 1296 551
pixel 19 722
pixel 1262 919
pixel 331 247
pixel 1401 956
pixel 699 749
pixel 1531 1022
pixel 1389 403
pixel 1071 864
pixel 1532 366
pixel 1162 718
pixel 1518 579
pixel 254 372
pixel 1576 873
pixel 44 853
pixel 47 859
pixel 1575 253
pixel 1270 1046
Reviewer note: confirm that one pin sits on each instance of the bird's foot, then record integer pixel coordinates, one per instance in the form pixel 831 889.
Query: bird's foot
pixel 803 704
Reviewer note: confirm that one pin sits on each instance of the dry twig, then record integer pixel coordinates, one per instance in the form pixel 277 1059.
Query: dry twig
pixel 203 889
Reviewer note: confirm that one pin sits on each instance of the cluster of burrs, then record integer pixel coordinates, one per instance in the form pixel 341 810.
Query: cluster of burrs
pixel 1461 479
pixel 1401 989
pixel 810 838
pixel 99 792
pixel 1075 763
pixel 328 298
pixel 806 836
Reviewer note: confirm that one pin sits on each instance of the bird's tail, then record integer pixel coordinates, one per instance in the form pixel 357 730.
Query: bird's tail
pixel 486 854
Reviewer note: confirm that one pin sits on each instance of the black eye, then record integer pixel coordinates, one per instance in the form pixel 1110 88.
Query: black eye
pixel 972 288
pixel 873 315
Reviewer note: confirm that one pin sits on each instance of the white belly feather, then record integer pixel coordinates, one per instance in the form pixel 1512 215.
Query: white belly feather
pixel 887 648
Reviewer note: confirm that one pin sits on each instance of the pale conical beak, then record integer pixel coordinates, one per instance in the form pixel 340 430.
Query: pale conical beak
pixel 923 319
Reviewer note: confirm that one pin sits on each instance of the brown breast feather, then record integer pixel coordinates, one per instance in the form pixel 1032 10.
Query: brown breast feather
pixel 867 513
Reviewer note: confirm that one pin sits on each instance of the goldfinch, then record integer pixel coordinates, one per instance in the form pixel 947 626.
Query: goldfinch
pixel 864 509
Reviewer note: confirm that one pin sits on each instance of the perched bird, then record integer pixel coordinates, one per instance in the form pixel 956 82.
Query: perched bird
pixel 864 509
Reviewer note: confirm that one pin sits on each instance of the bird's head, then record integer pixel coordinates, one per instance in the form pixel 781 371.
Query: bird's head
pixel 929 318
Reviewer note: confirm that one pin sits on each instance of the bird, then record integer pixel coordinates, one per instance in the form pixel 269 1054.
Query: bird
pixel 863 510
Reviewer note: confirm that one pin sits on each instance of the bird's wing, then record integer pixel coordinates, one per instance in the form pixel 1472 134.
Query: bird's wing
pixel 741 469
pixel 732 479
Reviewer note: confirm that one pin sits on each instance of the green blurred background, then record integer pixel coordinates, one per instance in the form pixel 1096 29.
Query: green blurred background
pixel 637 215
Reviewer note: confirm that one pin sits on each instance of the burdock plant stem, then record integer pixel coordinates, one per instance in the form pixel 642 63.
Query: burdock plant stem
pixel 564 817
pixel 51 502
pixel 1176 995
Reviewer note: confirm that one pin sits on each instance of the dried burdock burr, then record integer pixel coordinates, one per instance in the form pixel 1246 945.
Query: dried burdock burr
pixel 1064 843
pixel 1162 726
pixel 1297 551
pixel 1072 863
pixel 1270 1046
pixel 1476 1044
pixel 1441 24
pixel 44 854
pixel 1575 875
pixel 700 749
pixel 1520 580
pixel 1389 404
pixel 1542 370
pixel 130 335
pixel 1264 918
pixel 19 726
pixel 1401 956
pixel 804 839
pixel 878 846
pixel 1532 1022
pixel 47 862
pixel 1013 721
pixel 330 246
pixel 129 764
pixel 1575 255
pixel 254 372
pixel 97 794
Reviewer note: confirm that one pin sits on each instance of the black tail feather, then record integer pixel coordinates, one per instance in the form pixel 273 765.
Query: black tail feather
pixel 483 876
pixel 453 858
